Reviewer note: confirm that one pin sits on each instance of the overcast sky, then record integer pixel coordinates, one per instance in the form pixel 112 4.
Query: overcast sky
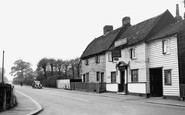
pixel 62 29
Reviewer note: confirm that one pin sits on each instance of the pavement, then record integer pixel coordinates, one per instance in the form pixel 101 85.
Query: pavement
pixel 28 106
pixel 151 100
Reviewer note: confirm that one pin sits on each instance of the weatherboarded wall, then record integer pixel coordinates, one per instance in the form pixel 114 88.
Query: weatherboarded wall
pixel 140 63
pixel 166 61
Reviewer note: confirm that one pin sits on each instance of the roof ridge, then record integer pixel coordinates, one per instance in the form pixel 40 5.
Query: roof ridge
pixel 150 18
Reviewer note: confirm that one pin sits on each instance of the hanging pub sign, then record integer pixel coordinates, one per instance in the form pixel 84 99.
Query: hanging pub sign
pixel 116 53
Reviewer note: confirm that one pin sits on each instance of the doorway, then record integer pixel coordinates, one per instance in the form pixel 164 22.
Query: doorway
pixel 102 77
pixel 122 81
pixel 156 84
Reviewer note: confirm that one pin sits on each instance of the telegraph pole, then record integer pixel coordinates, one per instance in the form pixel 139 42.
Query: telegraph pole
pixel 3 68
pixel 184 7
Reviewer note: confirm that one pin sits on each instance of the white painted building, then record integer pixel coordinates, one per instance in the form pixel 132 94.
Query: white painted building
pixel 145 65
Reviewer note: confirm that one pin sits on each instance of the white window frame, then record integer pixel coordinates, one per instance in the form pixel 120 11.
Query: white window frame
pixel 97 58
pixel 87 77
pixel 110 59
pixel 86 62
pixel 168 77
pixel 134 75
pixel 132 53
pixel 166 46
pixel 113 80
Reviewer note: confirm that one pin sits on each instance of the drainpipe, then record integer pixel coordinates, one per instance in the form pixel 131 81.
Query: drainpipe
pixel 126 84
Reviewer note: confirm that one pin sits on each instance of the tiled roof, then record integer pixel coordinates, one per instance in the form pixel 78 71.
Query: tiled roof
pixel 169 30
pixel 100 44
pixel 134 34
pixel 140 31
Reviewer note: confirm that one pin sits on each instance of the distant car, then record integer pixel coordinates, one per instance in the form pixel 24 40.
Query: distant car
pixel 36 85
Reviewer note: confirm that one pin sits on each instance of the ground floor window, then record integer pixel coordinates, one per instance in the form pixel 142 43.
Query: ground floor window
pixel 87 77
pixel 134 75
pixel 167 77
pixel 113 77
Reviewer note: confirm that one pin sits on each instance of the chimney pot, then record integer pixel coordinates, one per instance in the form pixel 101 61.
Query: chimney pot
pixel 125 21
pixel 107 28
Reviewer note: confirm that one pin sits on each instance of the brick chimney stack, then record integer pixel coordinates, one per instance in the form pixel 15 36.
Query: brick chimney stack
pixel 107 28
pixel 178 17
pixel 125 21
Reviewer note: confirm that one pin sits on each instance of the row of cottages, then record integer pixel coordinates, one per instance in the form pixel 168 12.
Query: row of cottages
pixel 145 59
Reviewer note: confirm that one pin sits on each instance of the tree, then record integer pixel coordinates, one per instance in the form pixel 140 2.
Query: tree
pixel 74 67
pixel 20 68
pixel 42 64
pixel 66 68
pixel 58 65
pixel 52 63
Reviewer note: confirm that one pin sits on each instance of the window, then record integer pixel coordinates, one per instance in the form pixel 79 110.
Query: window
pixel 97 76
pixel 110 57
pixel 86 62
pixel 164 44
pixel 165 47
pixel 113 77
pixel 87 77
pixel 132 53
pixel 97 58
pixel 167 77
pixel 134 75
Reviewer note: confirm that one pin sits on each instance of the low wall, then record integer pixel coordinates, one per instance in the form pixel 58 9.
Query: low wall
pixel 137 88
pixel 112 87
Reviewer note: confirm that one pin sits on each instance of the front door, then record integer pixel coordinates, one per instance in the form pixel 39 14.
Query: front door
pixel 156 89
pixel 102 77
pixel 122 81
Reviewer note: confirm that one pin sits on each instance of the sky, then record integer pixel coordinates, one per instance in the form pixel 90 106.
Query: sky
pixel 33 29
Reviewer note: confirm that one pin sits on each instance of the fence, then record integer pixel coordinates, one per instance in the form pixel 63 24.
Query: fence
pixel 92 87
pixel 7 97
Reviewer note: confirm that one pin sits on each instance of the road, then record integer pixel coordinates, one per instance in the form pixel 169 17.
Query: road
pixel 61 102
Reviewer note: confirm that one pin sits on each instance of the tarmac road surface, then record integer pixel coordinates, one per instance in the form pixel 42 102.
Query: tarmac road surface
pixel 62 102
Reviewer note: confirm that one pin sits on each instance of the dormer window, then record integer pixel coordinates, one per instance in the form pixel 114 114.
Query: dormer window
pixel 97 59
pixel 86 62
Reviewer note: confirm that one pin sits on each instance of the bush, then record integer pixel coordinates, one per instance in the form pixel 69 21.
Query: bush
pixel 9 94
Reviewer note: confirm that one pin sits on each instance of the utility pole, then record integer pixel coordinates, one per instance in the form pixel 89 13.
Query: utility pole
pixel 3 68
pixel 184 7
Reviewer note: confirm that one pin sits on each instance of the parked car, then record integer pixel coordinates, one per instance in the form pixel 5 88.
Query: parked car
pixel 36 85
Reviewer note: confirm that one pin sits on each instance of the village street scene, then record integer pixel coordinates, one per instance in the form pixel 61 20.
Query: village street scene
pixel 130 69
